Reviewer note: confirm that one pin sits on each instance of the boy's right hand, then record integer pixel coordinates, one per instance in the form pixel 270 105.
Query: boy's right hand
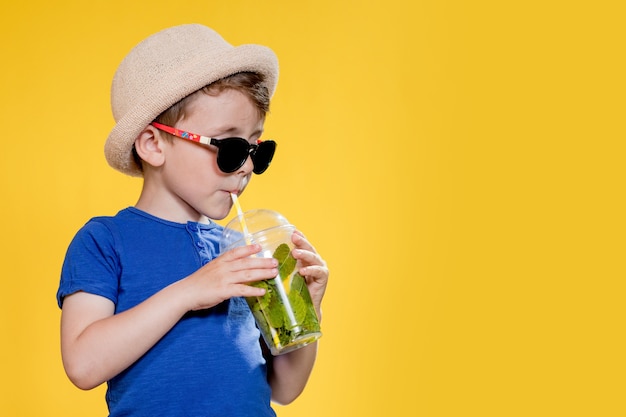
pixel 228 276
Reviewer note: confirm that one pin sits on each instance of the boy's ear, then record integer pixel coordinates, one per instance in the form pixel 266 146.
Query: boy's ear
pixel 149 146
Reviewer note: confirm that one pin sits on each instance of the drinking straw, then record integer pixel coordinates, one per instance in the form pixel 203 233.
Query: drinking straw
pixel 242 221
pixel 248 238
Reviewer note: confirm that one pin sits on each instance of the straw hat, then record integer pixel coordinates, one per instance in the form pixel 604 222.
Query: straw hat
pixel 166 67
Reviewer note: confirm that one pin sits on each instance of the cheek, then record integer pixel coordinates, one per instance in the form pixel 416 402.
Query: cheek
pixel 193 170
pixel 208 166
pixel 195 160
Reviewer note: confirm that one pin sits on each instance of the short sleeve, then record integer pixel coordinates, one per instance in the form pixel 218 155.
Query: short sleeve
pixel 92 263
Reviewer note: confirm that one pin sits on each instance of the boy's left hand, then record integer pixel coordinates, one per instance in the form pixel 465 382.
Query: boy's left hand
pixel 312 267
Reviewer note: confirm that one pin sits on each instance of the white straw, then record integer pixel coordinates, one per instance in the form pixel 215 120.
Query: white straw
pixel 242 221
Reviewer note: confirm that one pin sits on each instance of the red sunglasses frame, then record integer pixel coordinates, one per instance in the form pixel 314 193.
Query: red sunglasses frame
pixel 188 135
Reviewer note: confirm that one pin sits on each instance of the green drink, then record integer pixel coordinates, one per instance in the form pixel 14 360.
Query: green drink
pixel 285 314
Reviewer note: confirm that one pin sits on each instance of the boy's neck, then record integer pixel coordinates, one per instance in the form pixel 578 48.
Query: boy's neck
pixel 167 208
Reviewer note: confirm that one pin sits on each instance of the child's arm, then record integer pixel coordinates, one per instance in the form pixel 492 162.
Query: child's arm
pixel 290 372
pixel 96 344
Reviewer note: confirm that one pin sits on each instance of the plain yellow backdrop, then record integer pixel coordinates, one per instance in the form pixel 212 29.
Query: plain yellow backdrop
pixel 459 164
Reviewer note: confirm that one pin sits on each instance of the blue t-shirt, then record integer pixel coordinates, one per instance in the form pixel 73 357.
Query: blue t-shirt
pixel 210 363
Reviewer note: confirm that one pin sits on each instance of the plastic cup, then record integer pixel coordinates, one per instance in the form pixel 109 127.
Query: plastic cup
pixel 285 314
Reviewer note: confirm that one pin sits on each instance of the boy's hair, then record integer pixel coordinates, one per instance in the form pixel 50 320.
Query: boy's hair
pixel 251 84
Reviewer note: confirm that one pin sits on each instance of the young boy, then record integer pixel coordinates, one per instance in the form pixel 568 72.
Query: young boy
pixel 148 303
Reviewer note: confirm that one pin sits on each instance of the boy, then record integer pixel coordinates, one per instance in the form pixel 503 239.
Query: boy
pixel 148 303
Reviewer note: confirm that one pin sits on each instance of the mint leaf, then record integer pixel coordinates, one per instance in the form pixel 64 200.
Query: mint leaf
pixel 263 301
pixel 297 282
pixel 275 314
pixel 286 262
pixel 298 305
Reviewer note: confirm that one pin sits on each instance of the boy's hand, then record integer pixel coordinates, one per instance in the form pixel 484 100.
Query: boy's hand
pixel 228 276
pixel 312 267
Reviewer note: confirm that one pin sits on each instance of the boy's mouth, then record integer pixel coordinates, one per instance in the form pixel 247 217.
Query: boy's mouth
pixel 242 186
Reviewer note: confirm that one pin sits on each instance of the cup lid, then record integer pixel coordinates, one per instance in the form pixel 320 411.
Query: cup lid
pixel 255 221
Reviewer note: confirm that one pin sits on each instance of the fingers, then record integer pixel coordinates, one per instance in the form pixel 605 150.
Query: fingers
pixel 312 266
pixel 241 267
pixel 254 269
pixel 308 258
pixel 230 275
pixel 301 242
pixel 246 268
pixel 304 251
pixel 241 252
pixel 249 291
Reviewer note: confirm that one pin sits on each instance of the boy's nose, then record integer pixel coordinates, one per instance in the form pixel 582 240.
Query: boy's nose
pixel 247 166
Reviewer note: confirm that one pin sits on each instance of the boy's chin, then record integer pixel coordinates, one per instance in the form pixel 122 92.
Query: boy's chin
pixel 217 214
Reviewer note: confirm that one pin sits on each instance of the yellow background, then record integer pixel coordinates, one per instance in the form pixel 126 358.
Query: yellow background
pixel 459 164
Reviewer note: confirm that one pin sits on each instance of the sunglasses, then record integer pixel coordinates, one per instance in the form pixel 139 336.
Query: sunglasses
pixel 232 153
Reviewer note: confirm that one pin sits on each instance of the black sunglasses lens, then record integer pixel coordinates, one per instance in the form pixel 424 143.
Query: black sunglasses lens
pixel 263 155
pixel 232 154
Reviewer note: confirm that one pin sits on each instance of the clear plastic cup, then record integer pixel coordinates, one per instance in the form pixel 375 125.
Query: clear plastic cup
pixel 285 314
